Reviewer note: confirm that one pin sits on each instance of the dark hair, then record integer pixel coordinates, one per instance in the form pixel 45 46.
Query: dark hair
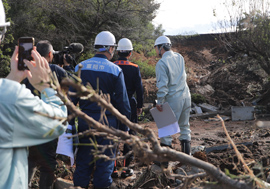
pixel 123 54
pixel 44 47
pixel 166 46
pixel 102 48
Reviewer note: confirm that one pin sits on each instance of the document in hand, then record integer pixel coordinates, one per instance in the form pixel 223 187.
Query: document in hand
pixel 65 145
pixel 165 120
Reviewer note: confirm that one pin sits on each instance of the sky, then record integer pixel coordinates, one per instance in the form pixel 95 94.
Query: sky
pixel 188 16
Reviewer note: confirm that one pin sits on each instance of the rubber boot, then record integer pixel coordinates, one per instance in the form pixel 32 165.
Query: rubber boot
pixel 185 146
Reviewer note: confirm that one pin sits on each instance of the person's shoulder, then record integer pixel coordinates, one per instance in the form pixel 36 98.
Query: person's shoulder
pixel 9 84
pixel 11 90
pixel 125 63
pixel 133 64
pixel 113 65
pixel 177 53
pixel 55 67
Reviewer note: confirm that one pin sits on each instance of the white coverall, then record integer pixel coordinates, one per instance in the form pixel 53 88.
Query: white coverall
pixel 173 88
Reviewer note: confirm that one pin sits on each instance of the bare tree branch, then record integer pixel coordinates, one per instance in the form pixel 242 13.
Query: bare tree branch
pixel 140 148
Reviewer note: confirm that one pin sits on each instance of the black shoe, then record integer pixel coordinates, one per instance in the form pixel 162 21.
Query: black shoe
pixel 127 173
pixel 165 145
pixel 115 174
pixel 185 145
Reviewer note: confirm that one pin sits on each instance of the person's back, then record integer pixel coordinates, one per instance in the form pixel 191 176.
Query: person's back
pixel 108 78
pixel 173 65
pixel 133 82
pixel 173 88
pixel 101 74
pixel 132 77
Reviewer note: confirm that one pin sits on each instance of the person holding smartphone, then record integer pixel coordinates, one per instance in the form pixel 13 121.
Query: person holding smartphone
pixel 20 125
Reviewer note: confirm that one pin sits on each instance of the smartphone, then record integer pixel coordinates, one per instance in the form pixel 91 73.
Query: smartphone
pixel 25 47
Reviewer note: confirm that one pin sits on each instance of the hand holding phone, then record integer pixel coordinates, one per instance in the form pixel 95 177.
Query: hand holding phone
pixel 25 47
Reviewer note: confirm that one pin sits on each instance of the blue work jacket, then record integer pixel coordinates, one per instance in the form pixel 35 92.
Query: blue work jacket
pixel 110 80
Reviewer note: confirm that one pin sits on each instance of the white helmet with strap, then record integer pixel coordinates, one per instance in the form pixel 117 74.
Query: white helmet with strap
pixel 105 39
pixel 124 45
pixel 163 42
pixel 3 23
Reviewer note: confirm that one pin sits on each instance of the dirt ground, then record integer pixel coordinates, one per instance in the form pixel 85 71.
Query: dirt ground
pixel 251 141
pixel 224 80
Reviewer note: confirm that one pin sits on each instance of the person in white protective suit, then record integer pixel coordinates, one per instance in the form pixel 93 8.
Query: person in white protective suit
pixel 173 88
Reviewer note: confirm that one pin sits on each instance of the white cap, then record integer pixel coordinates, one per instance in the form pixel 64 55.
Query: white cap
pixel 3 22
pixel 124 45
pixel 162 40
pixel 105 38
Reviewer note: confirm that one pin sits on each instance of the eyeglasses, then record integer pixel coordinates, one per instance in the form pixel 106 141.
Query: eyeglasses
pixel 2 33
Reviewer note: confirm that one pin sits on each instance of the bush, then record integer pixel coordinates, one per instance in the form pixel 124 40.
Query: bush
pixel 197 98
pixel 147 71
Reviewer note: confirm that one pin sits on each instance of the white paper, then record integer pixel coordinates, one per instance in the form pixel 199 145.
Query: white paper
pixel 65 145
pixel 165 120
pixel 169 130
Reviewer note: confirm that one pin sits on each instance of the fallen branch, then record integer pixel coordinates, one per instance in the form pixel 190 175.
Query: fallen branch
pixel 140 148
pixel 239 155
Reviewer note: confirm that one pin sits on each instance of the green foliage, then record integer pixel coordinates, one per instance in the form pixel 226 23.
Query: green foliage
pixel 197 98
pixel 146 46
pixel 85 55
pixel 147 70
pixel 5 50
pixel 63 22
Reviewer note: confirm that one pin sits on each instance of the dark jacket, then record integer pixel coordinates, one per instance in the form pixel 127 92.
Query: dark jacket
pixel 111 81
pixel 60 74
pixel 133 79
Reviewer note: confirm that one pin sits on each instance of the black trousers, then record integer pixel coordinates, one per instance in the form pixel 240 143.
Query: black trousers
pixel 43 157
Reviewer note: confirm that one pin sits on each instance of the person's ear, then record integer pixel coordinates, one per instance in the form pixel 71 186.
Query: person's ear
pixel 50 56
pixel 112 49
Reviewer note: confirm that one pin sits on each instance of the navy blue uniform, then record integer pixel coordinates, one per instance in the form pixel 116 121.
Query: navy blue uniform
pixel 60 74
pixel 133 83
pixel 111 81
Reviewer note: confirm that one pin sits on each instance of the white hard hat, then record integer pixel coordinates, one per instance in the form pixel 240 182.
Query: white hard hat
pixel 3 22
pixel 162 40
pixel 105 38
pixel 124 45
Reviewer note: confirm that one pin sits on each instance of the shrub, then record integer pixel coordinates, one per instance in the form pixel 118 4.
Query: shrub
pixel 197 98
pixel 147 70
